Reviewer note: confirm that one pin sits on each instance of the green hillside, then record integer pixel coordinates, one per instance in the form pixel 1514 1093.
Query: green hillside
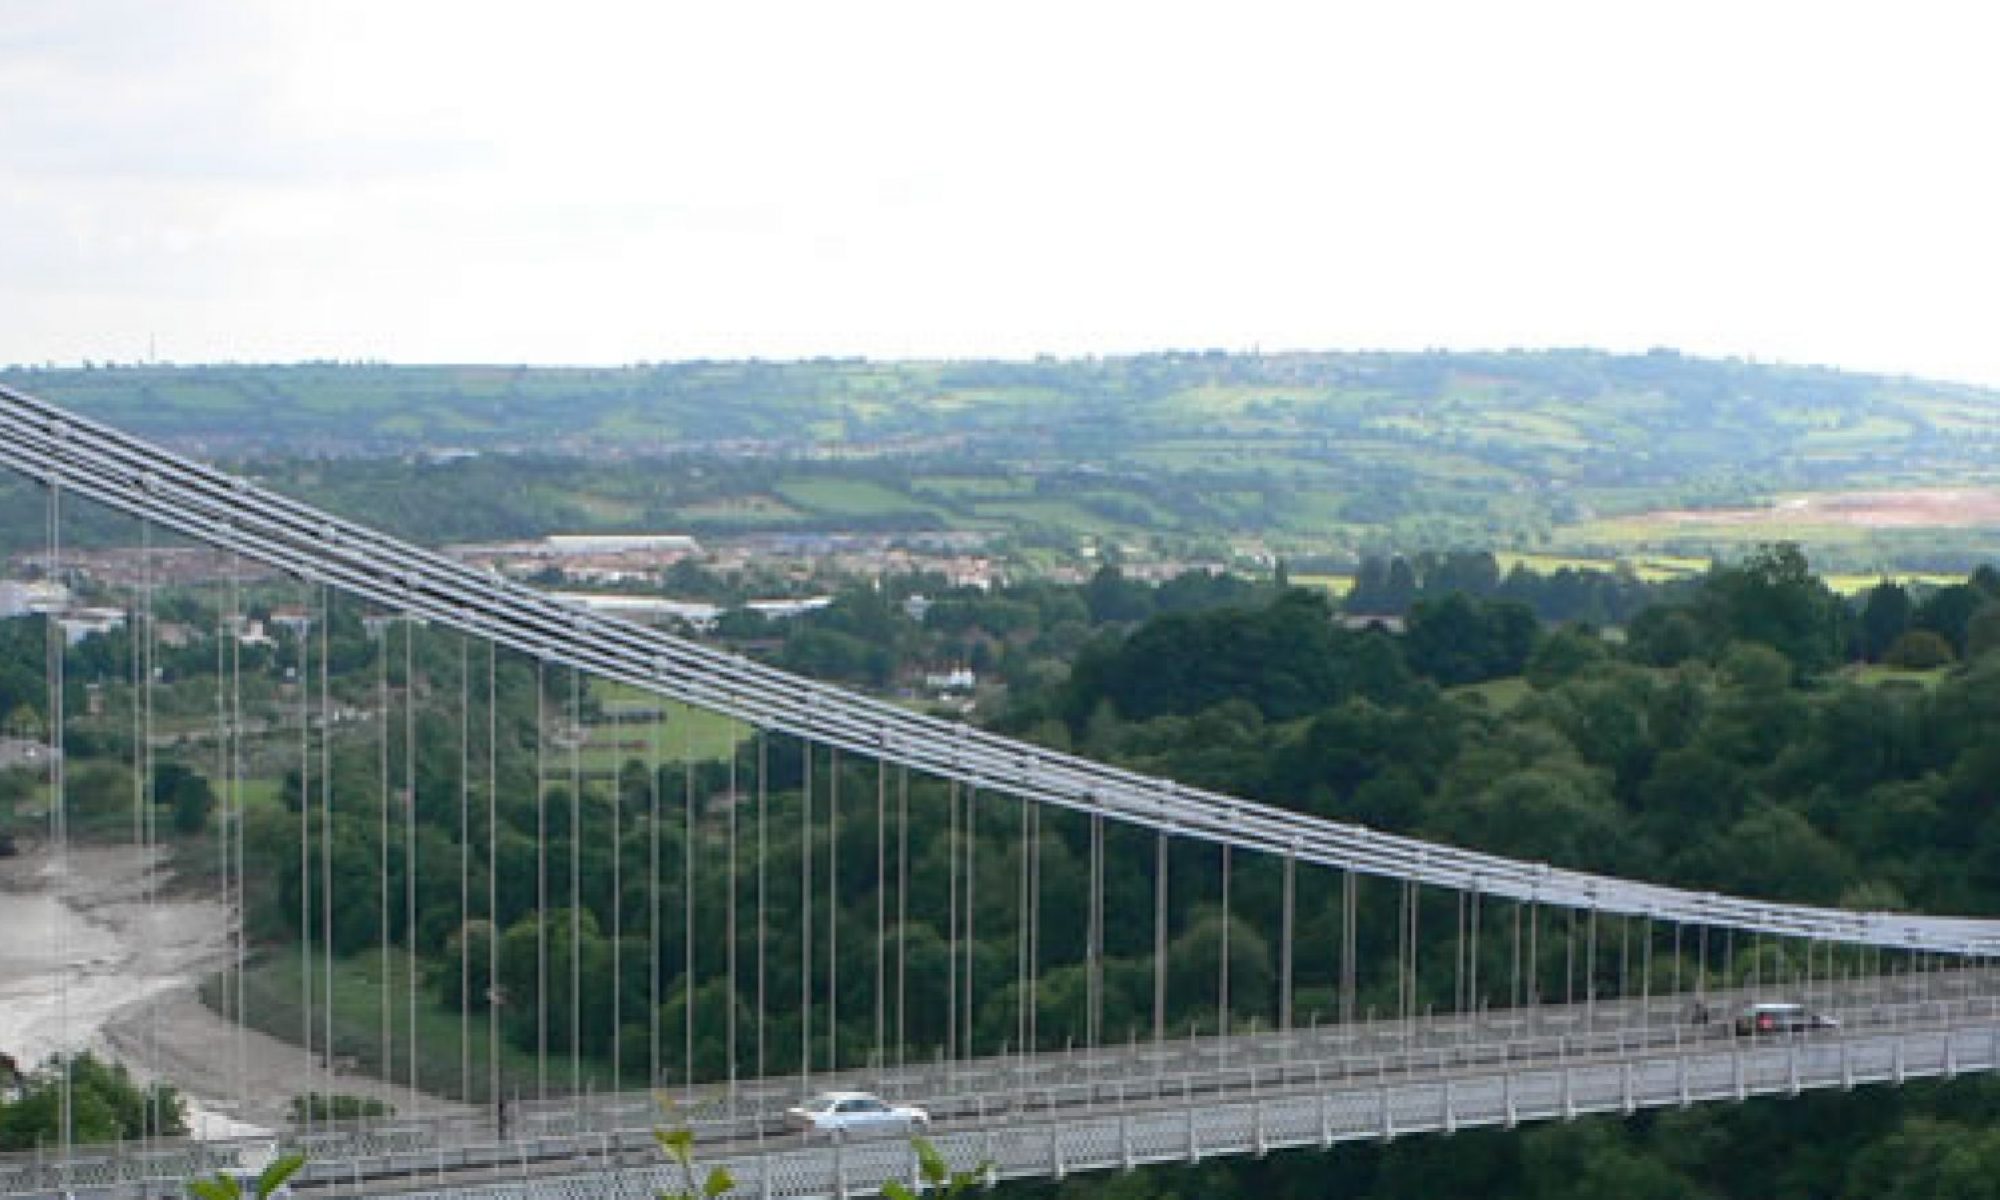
pixel 1309 453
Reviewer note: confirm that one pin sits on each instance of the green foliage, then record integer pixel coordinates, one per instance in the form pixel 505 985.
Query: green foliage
pixel 187 793
pixel 936 1176
pixel 1334 454
pixel 269 1180
pixel 337 1106
pixel 1885 616
pixel 1288 659
pixel 678 1145
pixel 99 792
pixel 1702 752
pixel 1774 599
pixel 105 1105
pixel 1563 655
pixel 1918 650
pixel 1459 640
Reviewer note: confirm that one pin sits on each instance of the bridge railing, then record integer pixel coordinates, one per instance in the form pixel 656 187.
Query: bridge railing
pixel 1275 1119
pixel 999 1093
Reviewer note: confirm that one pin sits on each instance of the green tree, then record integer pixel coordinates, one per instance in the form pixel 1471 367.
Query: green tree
pixel 105 1105
pixel 1918 650
pixel 1885 616
pixel 99 790
pixel 1463 640
pixel 1564 654
pixel 1948 611
pixel 187 793
pixel 1982 632
pixel 1773 598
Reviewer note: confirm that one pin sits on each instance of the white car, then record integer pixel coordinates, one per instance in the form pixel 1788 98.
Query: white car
pixel 842 1115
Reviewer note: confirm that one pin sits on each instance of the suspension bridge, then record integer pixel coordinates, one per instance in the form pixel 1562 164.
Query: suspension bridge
pixel 1070 966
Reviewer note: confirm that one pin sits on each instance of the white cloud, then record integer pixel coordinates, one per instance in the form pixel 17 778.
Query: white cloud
pixel 607 182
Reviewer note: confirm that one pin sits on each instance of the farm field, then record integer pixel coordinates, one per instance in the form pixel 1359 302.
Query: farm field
pixel 1650 459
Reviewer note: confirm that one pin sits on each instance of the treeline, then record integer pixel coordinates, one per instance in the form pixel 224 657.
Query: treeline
pixel 102 1102
pixel 1771 597
pixel 1391 586
pixel 1729 758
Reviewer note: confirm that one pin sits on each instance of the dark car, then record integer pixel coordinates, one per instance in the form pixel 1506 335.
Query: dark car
pixel 1780 1017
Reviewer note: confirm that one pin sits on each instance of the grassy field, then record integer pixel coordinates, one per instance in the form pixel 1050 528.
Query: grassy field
pixel 273 1005
pixel 681 734
pixel 1333 585
pixel 848 497
pixel 1651 568
pixel 260 793
pixel 958 488
pixel 755 508
pixel 1500 695
pixel 1855 584
pixel 1877 675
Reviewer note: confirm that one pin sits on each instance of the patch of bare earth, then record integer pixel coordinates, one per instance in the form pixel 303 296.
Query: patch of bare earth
pixel 99 954
pixel 1917 508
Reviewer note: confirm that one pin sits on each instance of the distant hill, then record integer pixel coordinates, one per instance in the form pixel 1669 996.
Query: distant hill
pixel 1560 450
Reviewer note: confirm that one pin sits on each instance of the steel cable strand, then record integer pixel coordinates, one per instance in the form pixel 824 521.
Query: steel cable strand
pixel 719 680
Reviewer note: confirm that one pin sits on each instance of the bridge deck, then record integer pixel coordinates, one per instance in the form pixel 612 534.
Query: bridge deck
pixel 1118 1107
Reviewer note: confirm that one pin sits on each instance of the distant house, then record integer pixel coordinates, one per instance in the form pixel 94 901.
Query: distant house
pixel 778 610
pixel 959 679
pixel 569 544
pixel 249 631
pixel 19 599
pixel 644 609
pixel 80 623
pixel 10 1076
pixel 23 752
pixel 174 635
pixel 295 621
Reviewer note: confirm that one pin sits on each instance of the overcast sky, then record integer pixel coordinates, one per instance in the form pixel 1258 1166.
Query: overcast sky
pixel 579 182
